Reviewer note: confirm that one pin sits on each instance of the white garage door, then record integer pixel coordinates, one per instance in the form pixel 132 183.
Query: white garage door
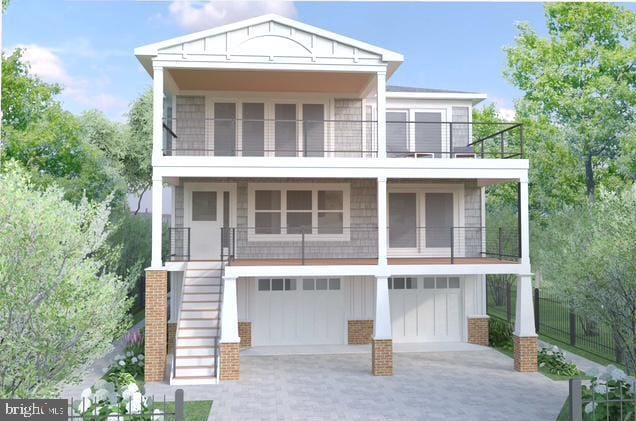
pixel 298 312
pixel 425 309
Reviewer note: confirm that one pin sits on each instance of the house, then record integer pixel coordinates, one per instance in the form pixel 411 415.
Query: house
pixel 316 204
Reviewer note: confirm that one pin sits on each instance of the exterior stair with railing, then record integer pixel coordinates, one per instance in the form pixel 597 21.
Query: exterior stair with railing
pixel 195 359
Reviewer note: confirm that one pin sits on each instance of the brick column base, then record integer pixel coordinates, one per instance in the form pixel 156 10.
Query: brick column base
pixel 230 364
pixel 359 332
pixel 525 353
pixel 478 330
pixel 156 326
pixel 172 337
pixel 245 333
pixel 382 357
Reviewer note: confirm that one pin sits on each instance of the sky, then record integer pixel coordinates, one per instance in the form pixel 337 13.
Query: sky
pixel 87 45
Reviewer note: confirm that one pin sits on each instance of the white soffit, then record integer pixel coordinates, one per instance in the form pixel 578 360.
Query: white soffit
pixel 268 39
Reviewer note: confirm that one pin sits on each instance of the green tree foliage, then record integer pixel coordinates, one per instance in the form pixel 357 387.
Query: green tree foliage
pixel 587 253
pixel 137 157
pixel 59 308
pixel 582 80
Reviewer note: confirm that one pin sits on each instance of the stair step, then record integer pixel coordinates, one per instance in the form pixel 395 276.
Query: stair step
pixel 202 288
pixel 196 341
pixel 204 264
pixel 195 361
pixel 199 305
pixel 191 281
pixel 198 313
pixel 203 273
pixel 198 332
pixel 194 351
pixel 194 371
pixel 198 324
pixel 201 296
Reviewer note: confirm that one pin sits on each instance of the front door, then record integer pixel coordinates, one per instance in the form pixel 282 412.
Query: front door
pixel 207 210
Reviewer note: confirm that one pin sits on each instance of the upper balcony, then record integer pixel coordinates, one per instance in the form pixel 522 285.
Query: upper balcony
pixel 287 136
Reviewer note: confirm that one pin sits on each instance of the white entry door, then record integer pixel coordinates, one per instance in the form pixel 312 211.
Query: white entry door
pixel 425 309
pixel 207 209
pixel 298 312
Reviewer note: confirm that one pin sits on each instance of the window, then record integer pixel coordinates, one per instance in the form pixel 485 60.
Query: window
pixel 402 283
pixel 429 283
pixel 224 129
pixel 253 129
pixel 441 283
pixel 453 282
pixel 267 215
pixel 203 206
pixel 330 212
pixel 295 209
pixel 299 213
pixel 397 141
pixel 321 284
pixel 276 284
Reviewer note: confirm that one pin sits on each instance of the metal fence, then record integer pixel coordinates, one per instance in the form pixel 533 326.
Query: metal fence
pixel 611 402
pixel 555 319
pixel 179 244
pixel 165 410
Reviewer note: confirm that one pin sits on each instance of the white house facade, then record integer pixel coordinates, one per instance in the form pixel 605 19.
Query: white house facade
pixel 315 204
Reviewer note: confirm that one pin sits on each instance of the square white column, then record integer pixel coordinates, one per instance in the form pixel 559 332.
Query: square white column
pixel 524 317
pixel 382 321
pixel 382 222
pixel 229 312
pixel 157 222
pixel 157 112
pixel 381 108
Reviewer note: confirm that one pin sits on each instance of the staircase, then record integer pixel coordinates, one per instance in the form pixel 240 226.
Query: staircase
pixel 198 326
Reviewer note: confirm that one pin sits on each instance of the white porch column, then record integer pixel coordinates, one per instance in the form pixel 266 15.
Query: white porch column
pixel 157 112
pixel 229 313
pixel 381 110
pixel 382 222
pixel 524 222
pixel 157 223
pixel 382 322
pixel 524 318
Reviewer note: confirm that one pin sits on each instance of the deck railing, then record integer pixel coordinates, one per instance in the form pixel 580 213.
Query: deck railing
pixel 178 246
pixel 340 138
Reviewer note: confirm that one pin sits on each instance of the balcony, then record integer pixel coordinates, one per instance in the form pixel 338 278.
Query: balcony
pixel 357 246
pixel 230 137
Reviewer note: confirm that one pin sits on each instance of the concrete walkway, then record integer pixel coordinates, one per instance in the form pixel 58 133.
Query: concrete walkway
pixel 452 385
pixel 582 363
pixel 96 370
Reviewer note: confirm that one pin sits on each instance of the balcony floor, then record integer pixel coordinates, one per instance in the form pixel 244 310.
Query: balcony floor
pixel 371 261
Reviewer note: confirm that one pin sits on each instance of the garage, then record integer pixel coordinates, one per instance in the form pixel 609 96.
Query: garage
pixel 307 311
pixel 425 309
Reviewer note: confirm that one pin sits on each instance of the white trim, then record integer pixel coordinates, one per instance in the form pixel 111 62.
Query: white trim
pixel 475 98
pixel 314 188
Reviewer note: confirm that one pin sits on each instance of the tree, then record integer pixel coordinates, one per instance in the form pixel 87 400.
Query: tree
pixel 137 158
pixel 59 308
pixel 587 253
pixel 582 79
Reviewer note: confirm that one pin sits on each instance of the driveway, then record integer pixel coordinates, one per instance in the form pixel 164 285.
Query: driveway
pixel 467 385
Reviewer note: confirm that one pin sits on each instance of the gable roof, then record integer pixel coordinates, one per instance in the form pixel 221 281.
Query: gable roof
pixel 147 52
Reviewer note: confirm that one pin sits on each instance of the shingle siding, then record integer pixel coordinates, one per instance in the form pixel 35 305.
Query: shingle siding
pixel 190 126
pixel 348 127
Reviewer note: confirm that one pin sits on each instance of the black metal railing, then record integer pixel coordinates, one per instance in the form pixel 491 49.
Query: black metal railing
pixel 456 242
pixel 178 244
pixel 555 319
pixel 271 137
pixel 435 139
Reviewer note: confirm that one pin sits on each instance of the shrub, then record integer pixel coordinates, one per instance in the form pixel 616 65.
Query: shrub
pixel 132 362
pixel 500 334
pixel 553 359
pixel 105 401
pixel 609 396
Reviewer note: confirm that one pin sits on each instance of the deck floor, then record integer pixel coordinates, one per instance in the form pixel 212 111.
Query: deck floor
pixel 354 262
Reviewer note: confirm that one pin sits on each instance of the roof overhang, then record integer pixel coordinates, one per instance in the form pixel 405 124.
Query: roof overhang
pixel 475 98
pixel 268 41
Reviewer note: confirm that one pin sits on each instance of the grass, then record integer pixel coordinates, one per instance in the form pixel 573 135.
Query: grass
pixel 193 410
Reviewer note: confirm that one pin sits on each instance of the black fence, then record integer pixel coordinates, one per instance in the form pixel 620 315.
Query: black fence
pixel 155 410
pixel 555 319
pixel 612 401
pixel 178 244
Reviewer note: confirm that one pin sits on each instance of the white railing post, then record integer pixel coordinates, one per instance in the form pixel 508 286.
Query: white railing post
pixel 381 108
pixel 382 222
pixel 157 112
pixel 157 221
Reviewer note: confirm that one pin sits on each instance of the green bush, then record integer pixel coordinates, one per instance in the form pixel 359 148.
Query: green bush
pixel 610 396
pixel 500 334
pixel 553 359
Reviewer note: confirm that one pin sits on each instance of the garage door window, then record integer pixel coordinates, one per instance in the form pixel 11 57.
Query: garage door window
pixel 403 283
pixel 276 284
pixel 321 284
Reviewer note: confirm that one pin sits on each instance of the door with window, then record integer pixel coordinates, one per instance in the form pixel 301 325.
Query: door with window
pixel 207 210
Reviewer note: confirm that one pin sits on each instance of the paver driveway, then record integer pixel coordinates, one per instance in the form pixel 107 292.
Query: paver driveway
pixel 467 385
